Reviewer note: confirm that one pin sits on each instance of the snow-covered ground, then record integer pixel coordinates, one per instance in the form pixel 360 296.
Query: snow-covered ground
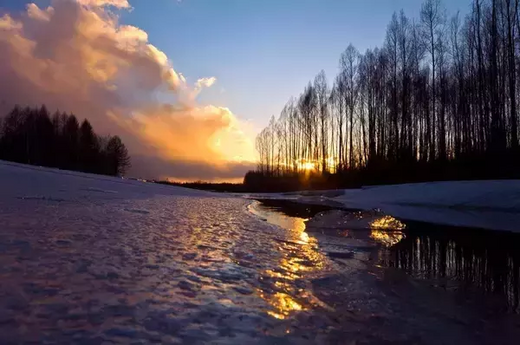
pixel 491 205
pixel 94 259
pixel 32 182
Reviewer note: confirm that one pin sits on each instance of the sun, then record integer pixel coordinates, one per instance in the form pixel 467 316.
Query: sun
pixel 308 166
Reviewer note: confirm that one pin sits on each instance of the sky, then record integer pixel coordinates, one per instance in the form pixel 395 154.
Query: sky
pixel 221 66
pixel 264 52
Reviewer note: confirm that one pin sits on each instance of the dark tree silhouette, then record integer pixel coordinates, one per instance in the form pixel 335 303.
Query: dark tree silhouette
pixel 70 134
pixel 30 136
pixel 437 102
pixel 117 157
pixel 89 150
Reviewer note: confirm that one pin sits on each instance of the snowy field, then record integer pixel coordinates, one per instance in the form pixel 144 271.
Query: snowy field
pixel 493 205
pixel 90 259
pixel 97 259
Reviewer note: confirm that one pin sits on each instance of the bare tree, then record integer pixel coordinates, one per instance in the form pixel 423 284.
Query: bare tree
pixel 432 19
pixel 322 97
pixel 349 62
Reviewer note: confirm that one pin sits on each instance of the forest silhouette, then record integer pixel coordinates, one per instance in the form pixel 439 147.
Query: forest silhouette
pixel 439 101
pixel 31 136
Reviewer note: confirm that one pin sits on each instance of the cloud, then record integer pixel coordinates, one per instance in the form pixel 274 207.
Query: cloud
pixel 101 3
pixel 183 171
pixel 36 13
pixel 205 82
pixel 200 85
pixel 76 56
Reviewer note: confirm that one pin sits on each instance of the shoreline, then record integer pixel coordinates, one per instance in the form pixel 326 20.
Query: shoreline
pixel 491 205
pixel 373 303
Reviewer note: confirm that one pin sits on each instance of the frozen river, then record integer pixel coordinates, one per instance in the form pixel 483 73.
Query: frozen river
pixel 87 259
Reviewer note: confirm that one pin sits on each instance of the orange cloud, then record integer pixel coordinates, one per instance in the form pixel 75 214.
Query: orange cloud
pixel 76 56
pixel 193 134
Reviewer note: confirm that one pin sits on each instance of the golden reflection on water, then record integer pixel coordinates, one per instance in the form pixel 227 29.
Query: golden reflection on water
pixel 283 304
pixel 387 238
pixel 387 230
pixel 299 256
pixel 387 223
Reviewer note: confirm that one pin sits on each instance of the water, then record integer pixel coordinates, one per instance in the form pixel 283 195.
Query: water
pixel 300 261
pixel 474 262
pixel 471 260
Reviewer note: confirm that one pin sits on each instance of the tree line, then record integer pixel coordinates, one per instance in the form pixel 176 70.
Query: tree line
pixel 437 101
pixel 32 136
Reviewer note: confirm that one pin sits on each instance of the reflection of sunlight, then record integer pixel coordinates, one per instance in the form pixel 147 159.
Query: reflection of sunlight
pixel 284 305
pixel 387 231
pixel 304 237
pixel 387 223
pixel 285 275
pixel 387 238
pixel 299 256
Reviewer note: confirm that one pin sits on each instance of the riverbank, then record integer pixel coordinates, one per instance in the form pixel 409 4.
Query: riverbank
pixel 493 205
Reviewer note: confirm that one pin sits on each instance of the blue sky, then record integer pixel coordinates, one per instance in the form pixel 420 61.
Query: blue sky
pixel 262 52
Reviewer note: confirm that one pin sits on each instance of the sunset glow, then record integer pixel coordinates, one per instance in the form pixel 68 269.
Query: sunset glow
pixel 306 165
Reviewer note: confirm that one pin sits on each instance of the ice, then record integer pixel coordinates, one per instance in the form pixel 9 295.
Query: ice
pixel 97 259
pixel 115 259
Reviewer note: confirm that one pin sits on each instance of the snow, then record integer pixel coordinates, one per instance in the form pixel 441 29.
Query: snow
pixel 497 195
pixel 96 259
pixel 34 182
pixel 493 205
pixel 483 204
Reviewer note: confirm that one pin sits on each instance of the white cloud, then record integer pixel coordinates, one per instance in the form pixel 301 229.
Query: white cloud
pixel 205 82
pixel 101 3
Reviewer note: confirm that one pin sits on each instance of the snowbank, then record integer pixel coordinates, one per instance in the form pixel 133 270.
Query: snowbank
pixel 34 182
pixel 483 204
pixel 501 195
